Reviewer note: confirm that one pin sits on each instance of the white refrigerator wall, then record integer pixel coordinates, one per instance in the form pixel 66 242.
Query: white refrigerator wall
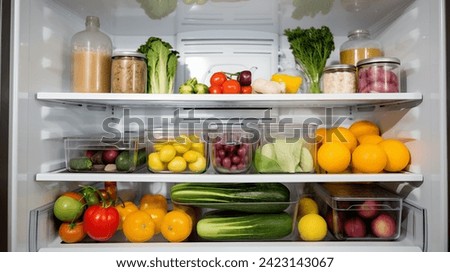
pixel 40 46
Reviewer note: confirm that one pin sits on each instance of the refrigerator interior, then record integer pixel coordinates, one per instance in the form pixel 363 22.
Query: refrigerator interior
pixel 234 35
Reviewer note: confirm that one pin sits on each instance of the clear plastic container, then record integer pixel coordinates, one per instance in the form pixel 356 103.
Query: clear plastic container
pixel 100 153
pixel 91 59
pixel 231 149
pixel 360 211
pixel 379 75
pixel 286 148
pixel 128 72
pixel 177 151
pixel 359 46
pixel 339 78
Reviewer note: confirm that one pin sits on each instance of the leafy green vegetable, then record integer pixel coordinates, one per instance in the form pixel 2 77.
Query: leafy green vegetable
pixel 162 65
pixel 311 47
pixel 158 9
pixel 192 86
pixel 284 157
pixel 311 8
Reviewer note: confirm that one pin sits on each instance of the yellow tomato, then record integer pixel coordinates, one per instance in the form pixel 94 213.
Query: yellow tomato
pixel 153 201
pixel 176 226
pixel 157 215
pixel 193 212
pixel 138 227
pixel 124 210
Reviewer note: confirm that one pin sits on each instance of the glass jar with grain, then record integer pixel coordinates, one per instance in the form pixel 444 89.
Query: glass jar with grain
pixel 91 59
pixel 339 78
pixel 359 46
pixel 128 72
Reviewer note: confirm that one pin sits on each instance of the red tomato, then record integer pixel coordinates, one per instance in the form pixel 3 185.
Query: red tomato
pixel 215 89
pixel 71 232
pixel 246 89
pixel 231 86
pixel 217 79
pixel 101 222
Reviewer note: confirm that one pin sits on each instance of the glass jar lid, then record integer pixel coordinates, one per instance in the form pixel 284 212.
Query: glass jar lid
pixel 335 67
pixel 128 54
pixel 358 31
pixel 378 60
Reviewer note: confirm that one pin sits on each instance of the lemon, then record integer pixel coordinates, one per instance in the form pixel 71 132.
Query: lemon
pixel 154 163
pixel 167 153
pixel 182 144
pixel 199 165
pixel 157 147
pixel 191 156
pixel 312 227
pixel 177 165
pixel 199 147
pixel 306 206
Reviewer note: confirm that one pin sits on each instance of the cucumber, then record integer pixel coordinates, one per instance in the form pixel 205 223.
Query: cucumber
pixel 123 161
pixel 227 226
pixel 142 157
pixel 80 164
pixel 245 197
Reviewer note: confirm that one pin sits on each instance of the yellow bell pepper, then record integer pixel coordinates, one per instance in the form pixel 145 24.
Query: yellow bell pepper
pixel 292 83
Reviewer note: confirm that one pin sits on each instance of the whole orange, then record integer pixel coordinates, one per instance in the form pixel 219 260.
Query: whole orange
pixel 398 156
pixel 333 157
pixel 342 135
pixel 369 158
pixel 364 127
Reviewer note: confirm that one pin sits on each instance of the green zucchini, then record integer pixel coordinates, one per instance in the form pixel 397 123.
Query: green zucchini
pixel 245 197
pixel 229 226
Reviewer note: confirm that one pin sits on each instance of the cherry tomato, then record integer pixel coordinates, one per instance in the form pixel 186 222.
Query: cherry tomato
pixel 217 79
pixel 231 86
pixel 101 222
pixel 246 89
pixel 71 232
pixel 215 89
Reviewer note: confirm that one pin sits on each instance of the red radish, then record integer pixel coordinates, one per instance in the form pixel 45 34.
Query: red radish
pixel 109 156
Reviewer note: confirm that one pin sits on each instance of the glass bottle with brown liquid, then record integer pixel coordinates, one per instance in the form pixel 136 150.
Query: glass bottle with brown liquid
pixel 359 46
pixel 91 59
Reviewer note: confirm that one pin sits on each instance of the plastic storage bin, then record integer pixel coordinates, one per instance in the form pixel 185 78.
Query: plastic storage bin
pixel 231 149
pixel 286 148
pixel 269 217
pixel 359 211
pixel 177 151
pixel 100 153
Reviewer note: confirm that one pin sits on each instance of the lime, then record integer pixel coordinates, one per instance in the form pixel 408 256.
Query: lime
pixel 177 165
pixel 167 153
pixel 312 227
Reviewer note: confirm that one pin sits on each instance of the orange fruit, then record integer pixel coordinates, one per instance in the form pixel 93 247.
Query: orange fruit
pixel 369 158
pixel 157 215
pixel 138 227
pixel 364 127
pixel 124 210
pixel 398 156
pixel 333 157
pixel 342 135
pixel 321 134
pixel 176 226
pixel 370 139
pixel 153 201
